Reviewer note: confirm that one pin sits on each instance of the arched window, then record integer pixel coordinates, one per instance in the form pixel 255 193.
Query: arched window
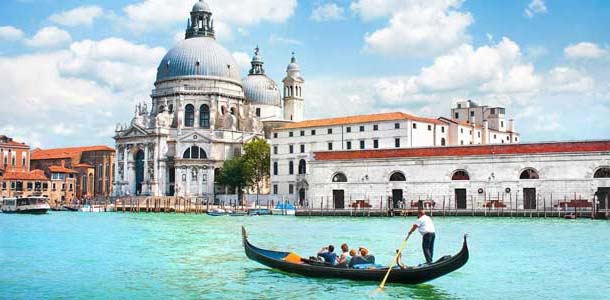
pixel 233 110
pixel 397 176
pixel 339 177
pixel 189 116
pixel 204 116
pixel 443 142
pixel 194 153
pixel 460 175
pixel 529 173
pixel 302 167
pixel 602 173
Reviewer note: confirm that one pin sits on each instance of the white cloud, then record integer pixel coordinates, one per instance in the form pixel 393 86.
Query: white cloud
pixel 10 33
pixel 93 85
pixel 421 28
pixel 328 12
pixel 49 37
pixel 548 121
pixel 535 7
pixel 243 60
pixel 274 39
pixel 151 14
pixel 84 15
pixel 568 80
pixel 372 9
pixel 584 50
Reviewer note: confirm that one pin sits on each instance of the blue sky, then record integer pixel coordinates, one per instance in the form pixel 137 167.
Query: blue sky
pixel 70 70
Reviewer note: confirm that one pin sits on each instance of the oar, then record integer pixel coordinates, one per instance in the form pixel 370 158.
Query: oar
pixel 402 246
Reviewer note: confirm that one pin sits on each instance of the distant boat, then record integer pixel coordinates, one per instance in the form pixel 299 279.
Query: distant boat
pixel 70 208
pixel 89 208
pixel 284 209
pixel 259 212
pixel 217 212
pixel 27 205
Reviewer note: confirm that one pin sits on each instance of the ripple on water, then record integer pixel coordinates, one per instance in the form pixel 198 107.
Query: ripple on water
pixel 174 256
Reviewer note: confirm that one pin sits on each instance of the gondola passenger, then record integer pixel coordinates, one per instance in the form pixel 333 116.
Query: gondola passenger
pixel 344 256
pixel 328 254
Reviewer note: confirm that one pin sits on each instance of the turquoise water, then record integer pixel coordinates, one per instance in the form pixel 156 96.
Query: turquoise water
pixel 173 256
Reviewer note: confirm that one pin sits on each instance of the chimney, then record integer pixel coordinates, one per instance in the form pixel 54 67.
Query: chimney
pixel 473 120
pixel 511 125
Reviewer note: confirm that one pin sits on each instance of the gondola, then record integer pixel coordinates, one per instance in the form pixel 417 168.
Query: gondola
pixel 306 267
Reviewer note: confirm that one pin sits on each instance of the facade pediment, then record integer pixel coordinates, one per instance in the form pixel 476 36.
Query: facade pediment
pixel 194 137
pixel 133 131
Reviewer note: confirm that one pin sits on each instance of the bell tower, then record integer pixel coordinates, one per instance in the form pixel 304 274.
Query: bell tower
pixel 293 96
pixel 200 24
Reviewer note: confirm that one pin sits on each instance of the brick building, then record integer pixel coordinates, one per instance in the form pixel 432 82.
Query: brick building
pixel 16 179
pixel 91 169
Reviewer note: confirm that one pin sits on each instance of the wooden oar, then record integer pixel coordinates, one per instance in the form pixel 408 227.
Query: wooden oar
pixel 394 261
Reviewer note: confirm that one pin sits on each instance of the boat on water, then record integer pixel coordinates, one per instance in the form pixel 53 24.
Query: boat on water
pixel 26 205
pixel 90 208
pixel 285 261
pixel 284 209
pixel 217 212
pixel 259 212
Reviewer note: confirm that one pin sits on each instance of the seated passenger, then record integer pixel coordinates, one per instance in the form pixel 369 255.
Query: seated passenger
pixel 328 255
pixel 363 258
pixel 344 254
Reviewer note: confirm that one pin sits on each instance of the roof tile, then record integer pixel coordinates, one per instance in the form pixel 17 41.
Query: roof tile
pixel 359 119
pixel 40 154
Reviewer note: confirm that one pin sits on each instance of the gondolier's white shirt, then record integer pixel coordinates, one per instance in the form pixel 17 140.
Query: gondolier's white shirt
pixel 425 225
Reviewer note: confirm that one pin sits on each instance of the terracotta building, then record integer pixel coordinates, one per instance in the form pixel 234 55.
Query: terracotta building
pixel 92 169
pixel 16 179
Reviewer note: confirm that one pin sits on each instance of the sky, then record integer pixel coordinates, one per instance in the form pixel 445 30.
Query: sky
pixel 70 70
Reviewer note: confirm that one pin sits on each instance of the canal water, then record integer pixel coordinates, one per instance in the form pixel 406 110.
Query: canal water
pixel 172 256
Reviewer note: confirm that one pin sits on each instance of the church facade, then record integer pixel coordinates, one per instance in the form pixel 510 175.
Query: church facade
pixel 201 114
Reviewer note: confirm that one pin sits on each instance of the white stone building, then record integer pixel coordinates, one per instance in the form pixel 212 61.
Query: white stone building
pixel 201 114
pixel 521 176
pixel 293 145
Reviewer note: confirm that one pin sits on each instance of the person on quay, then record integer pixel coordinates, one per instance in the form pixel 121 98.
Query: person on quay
pixel 425 226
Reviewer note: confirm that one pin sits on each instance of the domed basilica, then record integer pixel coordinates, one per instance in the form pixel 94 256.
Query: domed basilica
pixel 202 112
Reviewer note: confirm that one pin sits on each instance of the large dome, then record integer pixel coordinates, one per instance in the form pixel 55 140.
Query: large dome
pixel 260 89
pixel 199 56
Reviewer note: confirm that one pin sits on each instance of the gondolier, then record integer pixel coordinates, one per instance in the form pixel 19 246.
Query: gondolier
pixel 426 227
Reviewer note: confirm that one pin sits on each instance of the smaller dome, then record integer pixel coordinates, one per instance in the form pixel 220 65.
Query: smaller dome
pixel 293 66
pixel 260 89
pixel 201 6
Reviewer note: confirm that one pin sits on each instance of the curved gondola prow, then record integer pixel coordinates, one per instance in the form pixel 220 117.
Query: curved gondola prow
pixel 244 235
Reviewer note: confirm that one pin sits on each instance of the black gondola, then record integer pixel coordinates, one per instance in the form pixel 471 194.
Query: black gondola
pixel 306 267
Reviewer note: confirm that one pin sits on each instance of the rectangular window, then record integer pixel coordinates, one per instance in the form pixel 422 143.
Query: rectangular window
pixel 12 185
pixel 479 133
pixel 493 111
pixel 4 185
pixel 348 145
pixel 443 129
pixel 290 168
pixel 361 128
pixel 302 148
pixel 258 112
pixel 275 168
pixel 45 186
pixel 375 144
pixel 470 132
pixel 461 130
pixel 348 129
pixel 501 124
pixel 291 149
pixel 397 142
pixel 330 131
pixel 30 186
pixel 290 189
pixel 429 127
pixel 494 136
pixel 23 162
pixel 275 150
pixel 302 132
pixel 313 132
pixel 414 125
pixel 457 115
pixel 63 186
pixel 361 144
pixel 54 187
pixel 71 187
pixel 472 113
pixel 375 127
pixel 330 146
pixel 275 135
pixel 396 125
pixel 275 189
pixel 291 134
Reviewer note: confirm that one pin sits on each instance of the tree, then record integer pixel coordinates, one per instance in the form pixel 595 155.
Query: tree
pixel 257 156
pixel 236 174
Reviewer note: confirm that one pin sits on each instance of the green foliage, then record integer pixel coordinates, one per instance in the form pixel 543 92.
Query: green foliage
pixel 257 155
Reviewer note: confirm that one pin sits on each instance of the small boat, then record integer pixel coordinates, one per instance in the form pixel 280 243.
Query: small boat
pixel 217 212
pixel 89 208
pixel 70 208
pixel 284 261
pixel 259 212
pixel 284 209
pixel 237 214
pixel 27 205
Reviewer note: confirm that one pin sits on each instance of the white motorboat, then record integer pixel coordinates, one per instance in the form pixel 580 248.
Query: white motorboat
pixel 27 205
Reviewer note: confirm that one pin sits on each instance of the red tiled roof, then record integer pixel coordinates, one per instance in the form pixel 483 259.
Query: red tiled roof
pixel 60 169
pixel 6 141
pixel 83 166
pixel 32 175
pixel 359 119
pixel 39 154
pixel 512 149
